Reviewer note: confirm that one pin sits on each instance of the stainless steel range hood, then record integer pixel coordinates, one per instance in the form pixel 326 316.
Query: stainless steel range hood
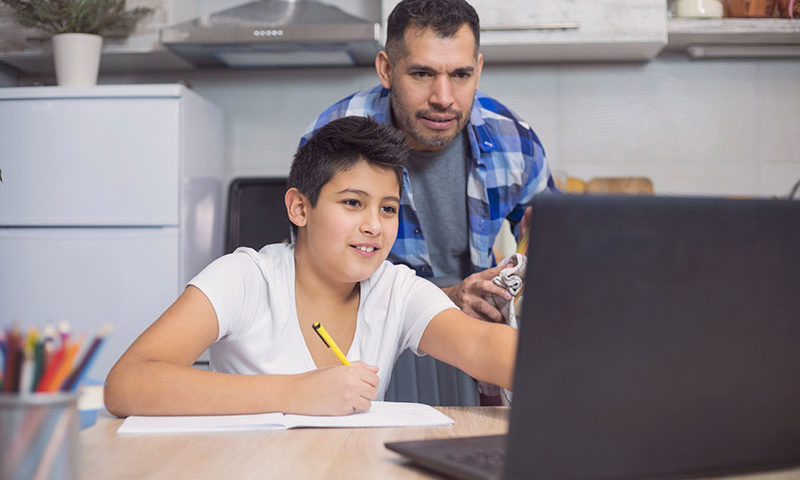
pixel 274 33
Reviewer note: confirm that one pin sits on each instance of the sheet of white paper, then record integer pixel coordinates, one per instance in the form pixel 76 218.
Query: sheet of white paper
pixel 382 414
pixel 203 423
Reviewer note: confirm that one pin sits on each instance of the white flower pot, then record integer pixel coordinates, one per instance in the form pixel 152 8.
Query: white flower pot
pixel 77 58
pixel 699 9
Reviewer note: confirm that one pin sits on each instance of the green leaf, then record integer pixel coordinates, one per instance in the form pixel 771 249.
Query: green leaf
pixel 100 17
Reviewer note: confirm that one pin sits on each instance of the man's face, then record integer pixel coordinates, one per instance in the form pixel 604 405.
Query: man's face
pixel 432 86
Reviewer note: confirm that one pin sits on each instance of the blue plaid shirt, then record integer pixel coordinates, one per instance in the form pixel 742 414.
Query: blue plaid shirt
pixel 507 168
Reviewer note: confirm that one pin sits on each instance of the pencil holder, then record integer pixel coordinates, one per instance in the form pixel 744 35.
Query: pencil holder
pixel 39 436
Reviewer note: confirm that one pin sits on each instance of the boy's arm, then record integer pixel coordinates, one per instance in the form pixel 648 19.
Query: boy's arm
pixel 486 351
pixel 155 375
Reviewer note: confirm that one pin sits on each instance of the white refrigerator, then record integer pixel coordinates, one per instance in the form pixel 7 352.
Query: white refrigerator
pixel 111 199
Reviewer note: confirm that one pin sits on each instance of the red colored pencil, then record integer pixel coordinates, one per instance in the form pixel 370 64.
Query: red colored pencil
pixel 12 364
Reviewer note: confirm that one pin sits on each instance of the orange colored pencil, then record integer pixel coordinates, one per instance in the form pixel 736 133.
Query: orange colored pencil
pixel 64 368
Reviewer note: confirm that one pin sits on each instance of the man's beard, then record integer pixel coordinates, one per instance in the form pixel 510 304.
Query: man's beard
pixel 408 121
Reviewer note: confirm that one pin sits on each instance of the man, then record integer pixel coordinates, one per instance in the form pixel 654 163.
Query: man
pixel 474 163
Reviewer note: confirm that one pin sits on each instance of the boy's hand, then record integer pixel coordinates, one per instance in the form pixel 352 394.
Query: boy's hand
pixel 469 294
pixel 337 390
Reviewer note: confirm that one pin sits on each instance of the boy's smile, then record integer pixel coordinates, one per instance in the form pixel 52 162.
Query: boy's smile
pixel 352 227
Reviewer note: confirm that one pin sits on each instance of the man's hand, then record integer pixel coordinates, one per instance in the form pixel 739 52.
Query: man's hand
pixel 469 294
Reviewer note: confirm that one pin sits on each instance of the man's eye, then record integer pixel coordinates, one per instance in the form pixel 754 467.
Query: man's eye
pixel 420 74
pixel 463 75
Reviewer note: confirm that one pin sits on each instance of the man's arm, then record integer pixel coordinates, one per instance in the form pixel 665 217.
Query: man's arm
pixel 470 295
pixel 485 351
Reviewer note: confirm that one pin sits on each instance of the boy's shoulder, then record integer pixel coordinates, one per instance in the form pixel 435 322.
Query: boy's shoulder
pixel 269 261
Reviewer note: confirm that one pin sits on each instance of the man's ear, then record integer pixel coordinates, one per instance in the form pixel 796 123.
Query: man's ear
pixel 297 206
pixel 384 68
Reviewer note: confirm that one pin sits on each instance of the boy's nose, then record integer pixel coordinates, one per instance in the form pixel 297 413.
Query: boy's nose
pixel 371 225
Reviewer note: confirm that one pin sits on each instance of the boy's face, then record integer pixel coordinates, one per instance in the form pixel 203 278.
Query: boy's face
pixel 352 228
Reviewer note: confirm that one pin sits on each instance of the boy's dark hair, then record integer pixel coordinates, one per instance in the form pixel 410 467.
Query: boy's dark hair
pixel 341 144
pixel 445 17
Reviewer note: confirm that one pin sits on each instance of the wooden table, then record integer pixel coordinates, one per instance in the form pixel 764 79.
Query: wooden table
pixel 310 453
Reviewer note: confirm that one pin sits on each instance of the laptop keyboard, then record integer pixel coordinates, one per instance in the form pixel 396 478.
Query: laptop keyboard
pixel 487 461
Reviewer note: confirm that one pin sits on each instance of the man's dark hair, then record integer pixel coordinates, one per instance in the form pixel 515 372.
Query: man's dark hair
pixel 445 17
pixel 341 144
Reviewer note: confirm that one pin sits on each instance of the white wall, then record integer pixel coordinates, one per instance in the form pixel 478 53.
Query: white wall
pixel 8 76
pixel 707 127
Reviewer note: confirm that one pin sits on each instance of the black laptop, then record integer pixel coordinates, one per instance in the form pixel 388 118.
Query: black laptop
pixel 660 338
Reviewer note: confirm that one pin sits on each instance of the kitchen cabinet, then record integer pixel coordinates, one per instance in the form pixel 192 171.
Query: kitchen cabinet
pixel 30 51
pixel 569 30
pixel 735 37
pixel 111 200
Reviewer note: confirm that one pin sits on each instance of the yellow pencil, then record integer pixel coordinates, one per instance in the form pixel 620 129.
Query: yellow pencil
pixel 329 342
pixel 522 246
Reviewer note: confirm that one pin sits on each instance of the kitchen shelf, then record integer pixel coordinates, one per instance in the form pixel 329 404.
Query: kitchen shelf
pixel 735 37
pixel 30 50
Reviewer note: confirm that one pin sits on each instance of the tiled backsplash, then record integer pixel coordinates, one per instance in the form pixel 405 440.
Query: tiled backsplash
pixel 698 127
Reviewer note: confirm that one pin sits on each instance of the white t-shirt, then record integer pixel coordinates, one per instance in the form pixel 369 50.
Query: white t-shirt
pixel 253 296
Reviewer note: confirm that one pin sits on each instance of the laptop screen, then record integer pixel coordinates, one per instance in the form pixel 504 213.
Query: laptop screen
pixel 659 337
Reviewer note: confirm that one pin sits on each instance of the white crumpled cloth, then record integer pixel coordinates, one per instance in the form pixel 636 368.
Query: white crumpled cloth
pixel 512 279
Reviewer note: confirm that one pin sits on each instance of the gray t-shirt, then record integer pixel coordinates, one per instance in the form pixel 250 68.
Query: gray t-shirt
pixel 439 186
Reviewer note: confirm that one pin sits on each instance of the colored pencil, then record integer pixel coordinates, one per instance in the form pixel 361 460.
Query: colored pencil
pixel 26 365
pixel 48 348
pixel 64 368
pixel 63 332
pixel 51 369
pixel 12 365
pixel 522 246
pixel 38 363
pixel 26 372
pixel 72 382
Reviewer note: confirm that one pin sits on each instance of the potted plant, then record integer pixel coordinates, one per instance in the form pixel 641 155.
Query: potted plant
pixel 77 28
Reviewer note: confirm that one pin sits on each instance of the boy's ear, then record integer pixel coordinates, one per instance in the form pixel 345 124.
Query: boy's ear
pixel 297 206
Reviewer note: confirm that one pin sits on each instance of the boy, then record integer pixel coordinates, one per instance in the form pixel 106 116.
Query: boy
pixel 255 310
